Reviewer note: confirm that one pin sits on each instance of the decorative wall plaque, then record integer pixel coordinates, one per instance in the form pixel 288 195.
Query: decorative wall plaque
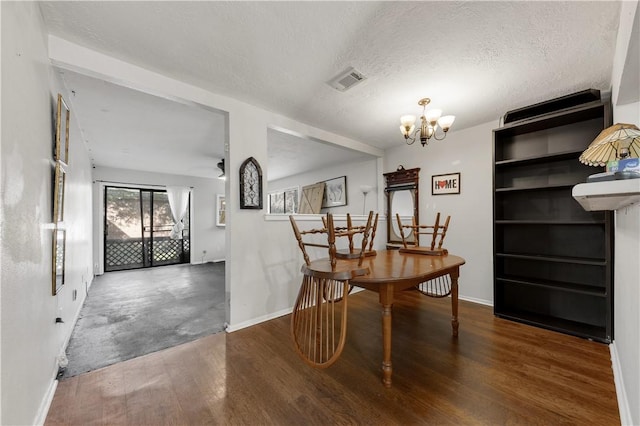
pixel 250 184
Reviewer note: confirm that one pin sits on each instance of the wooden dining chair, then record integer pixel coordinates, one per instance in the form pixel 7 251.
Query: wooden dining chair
pixel 319 317
pixel 438 233
pixel 440 286
pixel 350 231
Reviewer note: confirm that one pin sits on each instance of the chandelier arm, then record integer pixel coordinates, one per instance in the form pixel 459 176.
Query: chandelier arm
pixel 407 139
pixel 412 139
pixel 444 135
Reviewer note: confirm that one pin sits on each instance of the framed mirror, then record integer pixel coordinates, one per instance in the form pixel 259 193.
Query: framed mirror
pixel 401 190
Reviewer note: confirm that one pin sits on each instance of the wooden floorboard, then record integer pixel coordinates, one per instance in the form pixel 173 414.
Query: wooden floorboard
pixel 495 372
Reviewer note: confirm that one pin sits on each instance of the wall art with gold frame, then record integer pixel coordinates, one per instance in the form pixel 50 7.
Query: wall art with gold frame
pixel 59 178
pixel 61 149
pixel 57 260
pixel 59 233
pixel 61 158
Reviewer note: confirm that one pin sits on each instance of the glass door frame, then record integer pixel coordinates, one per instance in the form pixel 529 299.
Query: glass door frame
pixel 147 242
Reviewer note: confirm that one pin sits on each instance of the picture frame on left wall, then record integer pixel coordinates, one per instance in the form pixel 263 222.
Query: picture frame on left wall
pixel 61 149
pixel 58 260
pixel 59 178
pixel 221 210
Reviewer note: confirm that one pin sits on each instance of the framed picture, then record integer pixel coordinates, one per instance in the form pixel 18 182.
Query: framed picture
pixel 57 262
pixel 445 184
pixel 311 199
pixel 221 208
pixel 284 201
pixel 276 202
pixel 59 178
pixel 335 192
pixel 291 200
pixel 61 150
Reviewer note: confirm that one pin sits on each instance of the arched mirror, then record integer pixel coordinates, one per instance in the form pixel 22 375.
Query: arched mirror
pixel 401 189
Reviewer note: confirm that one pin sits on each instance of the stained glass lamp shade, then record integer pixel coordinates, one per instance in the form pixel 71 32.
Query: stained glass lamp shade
pixel 613 143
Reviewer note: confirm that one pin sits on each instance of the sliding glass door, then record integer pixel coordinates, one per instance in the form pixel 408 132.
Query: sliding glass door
pixel 138 223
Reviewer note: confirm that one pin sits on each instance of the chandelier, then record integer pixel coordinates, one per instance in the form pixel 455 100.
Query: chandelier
pixel 429 122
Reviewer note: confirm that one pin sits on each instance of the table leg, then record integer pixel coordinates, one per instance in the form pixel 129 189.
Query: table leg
pixel 386 299
pixel 386 345
pixel 454 300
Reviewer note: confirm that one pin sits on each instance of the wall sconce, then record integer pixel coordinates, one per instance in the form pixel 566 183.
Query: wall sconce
pixel 429 122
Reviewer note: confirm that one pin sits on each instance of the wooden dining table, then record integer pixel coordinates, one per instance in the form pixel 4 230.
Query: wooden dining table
pixel 391 271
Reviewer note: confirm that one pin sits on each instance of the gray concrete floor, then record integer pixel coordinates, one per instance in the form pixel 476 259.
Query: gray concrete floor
pixel 132 313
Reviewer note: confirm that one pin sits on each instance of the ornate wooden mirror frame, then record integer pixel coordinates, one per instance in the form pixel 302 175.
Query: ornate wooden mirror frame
pixel 395 183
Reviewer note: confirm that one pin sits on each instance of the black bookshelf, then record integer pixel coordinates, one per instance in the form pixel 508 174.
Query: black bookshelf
pixel 553 261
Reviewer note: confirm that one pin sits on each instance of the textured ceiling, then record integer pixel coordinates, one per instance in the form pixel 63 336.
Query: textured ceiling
pixel 475 60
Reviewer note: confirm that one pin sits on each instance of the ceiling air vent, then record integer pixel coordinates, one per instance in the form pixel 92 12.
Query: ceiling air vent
pixel 346 79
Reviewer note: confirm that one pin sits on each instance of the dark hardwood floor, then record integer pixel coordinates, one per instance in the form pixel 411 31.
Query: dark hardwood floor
pixel 496 372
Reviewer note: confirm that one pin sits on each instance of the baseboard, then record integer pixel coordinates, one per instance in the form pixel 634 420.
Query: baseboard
pixel 48 398
pixel 235 327
pixel 202 262
pixel 74 321
pixel 254 321
pixel 476 300
pixel 621 393
pixel 43 410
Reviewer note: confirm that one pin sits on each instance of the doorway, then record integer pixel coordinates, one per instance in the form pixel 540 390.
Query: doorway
pixel 137 228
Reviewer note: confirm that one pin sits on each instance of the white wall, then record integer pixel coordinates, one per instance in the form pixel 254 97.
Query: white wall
pixel 470 233
pixel 30 339
pixel 626 292
pixel 205 235
pixel 358 173
pixel 625 348
pixel 280 265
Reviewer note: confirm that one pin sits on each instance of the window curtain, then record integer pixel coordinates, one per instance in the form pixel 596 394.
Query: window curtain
pixel 178 200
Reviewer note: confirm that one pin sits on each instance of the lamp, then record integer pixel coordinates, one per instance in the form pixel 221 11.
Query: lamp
pixel 221 167
pixel 617 142
pixel 429 122
pixel 365 189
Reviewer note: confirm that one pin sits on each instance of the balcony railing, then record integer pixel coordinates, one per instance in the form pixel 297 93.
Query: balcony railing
pixel 139 253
